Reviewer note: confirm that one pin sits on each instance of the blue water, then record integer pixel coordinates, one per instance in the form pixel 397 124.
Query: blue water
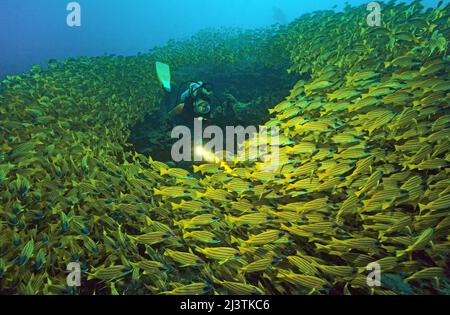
pixel 32 32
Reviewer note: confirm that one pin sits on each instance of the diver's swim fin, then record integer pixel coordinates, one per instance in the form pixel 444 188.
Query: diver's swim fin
pixel 163 73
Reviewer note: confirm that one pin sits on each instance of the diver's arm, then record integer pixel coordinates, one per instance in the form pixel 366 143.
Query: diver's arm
pixel 185 95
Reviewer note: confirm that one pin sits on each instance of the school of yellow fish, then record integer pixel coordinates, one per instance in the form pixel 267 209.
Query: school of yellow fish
pixel 362 175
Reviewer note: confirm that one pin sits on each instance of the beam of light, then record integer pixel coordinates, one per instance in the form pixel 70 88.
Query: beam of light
pixel 211 157
pixel 207 155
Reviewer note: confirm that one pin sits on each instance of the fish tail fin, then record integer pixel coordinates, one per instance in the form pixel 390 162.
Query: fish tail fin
pixel 199 194
pixel 241 244
pixel 163 171
pixel 196 169
pixel 333 239
pixel 180 223
pixel 422 207
pixel 90 276
pixel 320 246
pixel 234 240
pixel 157 191
pixel 230 219
pixel 244 250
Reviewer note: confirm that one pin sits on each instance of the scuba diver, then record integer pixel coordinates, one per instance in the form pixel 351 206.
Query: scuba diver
pixel 195 103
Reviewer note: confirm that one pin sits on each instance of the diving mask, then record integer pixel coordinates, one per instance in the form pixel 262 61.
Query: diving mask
pixel 202 108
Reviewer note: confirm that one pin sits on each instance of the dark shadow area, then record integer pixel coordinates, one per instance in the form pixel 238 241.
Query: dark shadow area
pixel 243 95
